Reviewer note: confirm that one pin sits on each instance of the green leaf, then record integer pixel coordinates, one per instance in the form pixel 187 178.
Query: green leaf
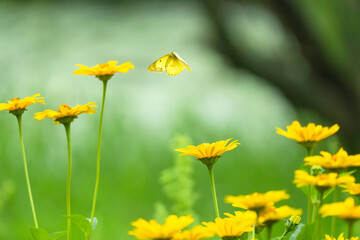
pixel 39 234
pixel 348 173
pixel 57 235
pixel 328 192
pixel 83 223
pixel 303 232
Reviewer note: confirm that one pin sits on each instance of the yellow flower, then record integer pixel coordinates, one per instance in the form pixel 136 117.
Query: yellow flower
pixel 256 201
pixel 229 227
pixel 341 237
pixel 249 216
pixel 295 219
pixel 208 153
pixel 18 105
pixel 65 113
pixel 321 181
pixel 310 133
pixel 271 214
pixel 198 232
pixel 153 230
pixel 337 161
pixel 345 210
pixel 104 71
pixel 352 188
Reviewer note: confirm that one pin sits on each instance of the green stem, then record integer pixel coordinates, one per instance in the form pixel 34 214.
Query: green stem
pixel 309 152
pixel 98 155
pixel 269 228
pixel 309 205
pixel 212 183
pixel 333 220
pixel 350 229
pixel 26 171
pixel 253 232
pixel 284 234
pixel 68 185
pixel 318 220
pixel 314 209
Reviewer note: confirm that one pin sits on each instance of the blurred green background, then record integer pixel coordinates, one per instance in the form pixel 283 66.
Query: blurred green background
pixel 256 65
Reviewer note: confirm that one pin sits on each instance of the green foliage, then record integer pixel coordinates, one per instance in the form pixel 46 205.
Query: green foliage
pixel 303 232
pixel 39 234
pixel 177 180
pixel 161 212
pixel 84 224
pixel 57 235
pixel 42 234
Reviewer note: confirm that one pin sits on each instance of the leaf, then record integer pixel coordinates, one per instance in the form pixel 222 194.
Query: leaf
pixel 39 234
pixel 347 173
pixel 303 232
pixel 83 223
pixel 328 192
pixel 57 235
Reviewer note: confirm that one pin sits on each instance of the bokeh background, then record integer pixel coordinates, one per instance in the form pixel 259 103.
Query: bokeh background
pixel 256 65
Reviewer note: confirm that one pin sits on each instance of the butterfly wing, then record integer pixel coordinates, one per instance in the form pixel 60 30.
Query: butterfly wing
pixel 174 66
pixel 182 61
pixel 159 65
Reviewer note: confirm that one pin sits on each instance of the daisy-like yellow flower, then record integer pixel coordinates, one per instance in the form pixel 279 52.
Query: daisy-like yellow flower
pixel 17 105
pixel 256 201
pixel 65 113
pixel 321 181
pixel 249 216
pixel 208 152
pixel 270 214
pixel 153 230
pixel 310 133
pixel 104 71
pixel 229 227
pixel 346 210
pixel 338 161
pixel 352 188
pixel 198 232
pixel 341 237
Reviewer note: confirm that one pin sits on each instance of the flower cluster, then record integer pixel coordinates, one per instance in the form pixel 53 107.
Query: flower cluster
pixel 341 237
pixel 328 171
pixel 65 115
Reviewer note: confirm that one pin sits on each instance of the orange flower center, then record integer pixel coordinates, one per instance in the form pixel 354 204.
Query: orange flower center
pixel 103 65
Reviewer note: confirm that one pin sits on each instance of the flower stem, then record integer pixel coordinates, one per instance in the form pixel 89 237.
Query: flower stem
pixel 350 229
pixel 333 220
pixel 314 208
pixel 318 219
pixel 309 205
pixel 26 171
pixel 269 228
pixel 68 184
pixel 212 183
pixel 309 152
pixel 98 155
pixel 253 232
pixel 284 234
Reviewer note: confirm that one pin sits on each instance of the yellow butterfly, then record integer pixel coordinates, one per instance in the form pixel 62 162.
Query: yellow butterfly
pixel 172 63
